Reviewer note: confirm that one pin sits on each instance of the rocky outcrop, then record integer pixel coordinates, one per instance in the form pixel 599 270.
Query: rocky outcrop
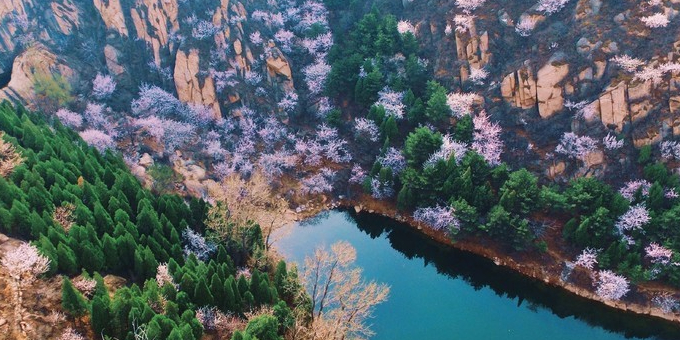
pixel 549 91
pixel 112 14
pixel 34 62
pixel 190 87
pixel 546 91
pixel 155 21
pixel 9 9
pixel 67 16
pixel 473 48
pixel 613 107
pixel 111 55
pixel 519 88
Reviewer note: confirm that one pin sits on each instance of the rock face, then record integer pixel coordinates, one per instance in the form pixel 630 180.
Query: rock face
pixel 67 16
pixel 519 88
pixel 9 27
pixel 155 21
pixel 473 48
pixel 549 92
pixel 34 62
pixel 189 87
pixel 112 14
pixel 613 107
pixel 112 64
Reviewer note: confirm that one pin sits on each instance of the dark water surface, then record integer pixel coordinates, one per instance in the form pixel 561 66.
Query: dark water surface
pixel 441 293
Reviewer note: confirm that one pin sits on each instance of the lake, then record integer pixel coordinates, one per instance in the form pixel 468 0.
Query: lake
pixel 441 293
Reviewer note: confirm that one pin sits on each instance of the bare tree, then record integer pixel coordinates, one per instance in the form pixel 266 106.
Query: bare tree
pixel 341 300
pixel 242 201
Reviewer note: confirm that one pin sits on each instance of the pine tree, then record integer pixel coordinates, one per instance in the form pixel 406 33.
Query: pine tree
pixel 202 295
pixel 101 315
pixel 71 300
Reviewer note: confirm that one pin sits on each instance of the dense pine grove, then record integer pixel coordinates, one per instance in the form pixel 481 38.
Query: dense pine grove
pixel 120 228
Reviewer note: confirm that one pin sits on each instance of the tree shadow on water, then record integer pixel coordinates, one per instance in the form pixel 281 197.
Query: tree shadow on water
pixel 480 272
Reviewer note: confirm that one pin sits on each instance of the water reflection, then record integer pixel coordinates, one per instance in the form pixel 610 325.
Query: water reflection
pixel 480 272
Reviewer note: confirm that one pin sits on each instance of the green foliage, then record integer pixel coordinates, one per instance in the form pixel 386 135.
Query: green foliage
pixel 71 299
pixel 123 229
pixel 420 144
pixel 164 177
pixel 52 91
pixel 645 154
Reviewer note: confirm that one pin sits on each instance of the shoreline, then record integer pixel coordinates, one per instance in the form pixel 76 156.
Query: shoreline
pixel 549 275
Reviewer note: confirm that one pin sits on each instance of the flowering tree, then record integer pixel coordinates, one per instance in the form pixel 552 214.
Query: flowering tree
pixel 629 190
pixel 649 73
pixel 394 160
pixel 666 302
pixel 670 150
pixel 97 139
pixel 85 285
pixel 405 26
pixel 315 76
pixel 318 183
pixel 69 118
pixel 358 175
pixel 486 139
pixel 381 189
pixel 526 25
pixel 611 286
pixel 391 101
pixel 196 244
pixel 23 264
pixel 588 258
pixel 154 101
pixel 71 334
pixel 627 63
pixel 478 75
pixel 163 276
pixel 10 158
pixel 551 6
pixel 658 254
pixel 438 218
pixel 463 22
pixel 575 146
pixel 449 147
pixel 611 142
pixel 103 86
pixel 469 5
pixel 289 102
pixel 461 103
pixel 655 20
pixel 366 128
pixel 636 217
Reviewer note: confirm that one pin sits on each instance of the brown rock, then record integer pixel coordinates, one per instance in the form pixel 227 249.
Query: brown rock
pixel 519 88
pixel 112 14
pixel 66 15
pixel 613 106
pixel 36 60
pixel 279 66
pixel 189 88
pixel 548 93
pixel 111 55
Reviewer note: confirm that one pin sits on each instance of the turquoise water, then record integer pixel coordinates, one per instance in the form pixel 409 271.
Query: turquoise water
pixel 441 293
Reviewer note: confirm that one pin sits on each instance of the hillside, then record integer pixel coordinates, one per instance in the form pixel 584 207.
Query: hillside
pixel 545 133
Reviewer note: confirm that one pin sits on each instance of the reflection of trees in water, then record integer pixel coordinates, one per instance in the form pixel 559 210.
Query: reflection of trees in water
pixel 480 272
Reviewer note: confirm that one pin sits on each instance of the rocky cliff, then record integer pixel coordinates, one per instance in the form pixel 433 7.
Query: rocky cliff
pixel 139 41
pixel 541 74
